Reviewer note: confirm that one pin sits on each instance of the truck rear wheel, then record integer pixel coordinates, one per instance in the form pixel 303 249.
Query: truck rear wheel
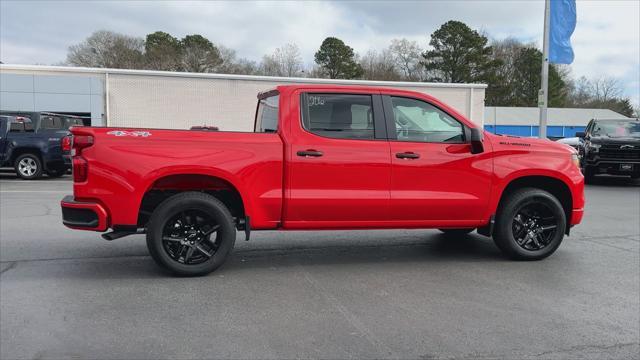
pixel 28 166
pixel 530 224
pixel 190 234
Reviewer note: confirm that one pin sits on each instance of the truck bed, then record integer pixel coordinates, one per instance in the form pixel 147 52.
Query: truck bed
pixel 126 163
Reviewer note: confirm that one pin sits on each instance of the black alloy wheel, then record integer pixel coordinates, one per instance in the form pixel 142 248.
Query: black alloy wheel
pixel 534 226
pixel 191 234
pixel 190 237
pixel 530 224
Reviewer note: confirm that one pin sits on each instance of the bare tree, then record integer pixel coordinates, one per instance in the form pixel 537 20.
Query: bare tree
pixel 606 88
pixel 232 65
pixel 285 61
pixel 508 51
pixel 600 93
pixel 290 59
pixel 379 66
pixel 316 72
pixel 269 66
pixel 107 49
pixel 580 91
pixel 601 90
pixel 407 57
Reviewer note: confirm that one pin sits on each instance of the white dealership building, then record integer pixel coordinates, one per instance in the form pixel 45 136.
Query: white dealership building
pixel 160 99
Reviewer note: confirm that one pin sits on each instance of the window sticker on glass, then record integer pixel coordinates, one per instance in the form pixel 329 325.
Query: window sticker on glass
pixel 316 100
pixel 342 116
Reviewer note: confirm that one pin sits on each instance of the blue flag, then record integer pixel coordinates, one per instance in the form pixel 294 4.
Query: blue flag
pixel 561 26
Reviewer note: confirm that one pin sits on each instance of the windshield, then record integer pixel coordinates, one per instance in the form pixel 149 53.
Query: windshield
pixel 614 128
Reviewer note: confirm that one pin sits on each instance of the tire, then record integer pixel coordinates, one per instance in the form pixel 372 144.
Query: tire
pixel 514 225
pixel 28 166
pixel 172 223
pixel 456 232
pixel 56 173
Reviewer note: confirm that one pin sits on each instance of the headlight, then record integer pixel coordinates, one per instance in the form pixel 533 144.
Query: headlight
pixel 575 159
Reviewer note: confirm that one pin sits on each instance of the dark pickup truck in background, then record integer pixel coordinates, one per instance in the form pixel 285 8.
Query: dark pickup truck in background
pixel 610 147
pixel 35 143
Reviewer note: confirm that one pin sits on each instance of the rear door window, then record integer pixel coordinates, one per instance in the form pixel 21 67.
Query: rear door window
pixel 341 116
pixel 16 127
pixel 51 123
pixel 69 122
pixel 267 114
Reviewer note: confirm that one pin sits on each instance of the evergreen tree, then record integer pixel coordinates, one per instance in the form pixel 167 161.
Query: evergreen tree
pixel 337 60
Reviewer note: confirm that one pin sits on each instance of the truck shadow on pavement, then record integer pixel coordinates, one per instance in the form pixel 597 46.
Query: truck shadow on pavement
pixel 437 249
pixel 10 174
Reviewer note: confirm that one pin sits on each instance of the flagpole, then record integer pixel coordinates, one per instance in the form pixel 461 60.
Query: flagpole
pixel 543 94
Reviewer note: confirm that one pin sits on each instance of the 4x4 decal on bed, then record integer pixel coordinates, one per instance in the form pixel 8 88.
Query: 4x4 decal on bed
pixel 129 133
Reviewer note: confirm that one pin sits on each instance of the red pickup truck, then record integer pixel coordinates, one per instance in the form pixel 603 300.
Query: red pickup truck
pixel 323 157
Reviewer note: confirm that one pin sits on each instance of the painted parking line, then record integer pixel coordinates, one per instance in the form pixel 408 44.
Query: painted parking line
pixel 34 191
pixel 37 182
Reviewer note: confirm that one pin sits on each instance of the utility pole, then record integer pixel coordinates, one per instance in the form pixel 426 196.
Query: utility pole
pixel 543 94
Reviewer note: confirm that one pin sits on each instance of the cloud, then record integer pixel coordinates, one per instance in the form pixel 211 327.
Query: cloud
pixel 606 41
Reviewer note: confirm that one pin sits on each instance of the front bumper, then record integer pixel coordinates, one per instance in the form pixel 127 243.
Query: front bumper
pixel 615 166
pixel 576 216
pixel 83 215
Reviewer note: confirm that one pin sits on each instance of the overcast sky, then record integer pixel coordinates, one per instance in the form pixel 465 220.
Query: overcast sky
pixel 606 41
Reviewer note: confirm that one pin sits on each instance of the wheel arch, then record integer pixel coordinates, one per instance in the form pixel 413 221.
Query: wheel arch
pixel 15 153
pixel 557 187
pixel 170 183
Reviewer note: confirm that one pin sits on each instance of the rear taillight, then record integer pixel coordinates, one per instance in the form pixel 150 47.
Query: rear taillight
pixel 81 142
pixel 80 164
pixel 80 169
pixel 66 143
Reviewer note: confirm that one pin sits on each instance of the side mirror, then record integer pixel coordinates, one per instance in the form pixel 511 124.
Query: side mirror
pixel 476 141
pixel 580 134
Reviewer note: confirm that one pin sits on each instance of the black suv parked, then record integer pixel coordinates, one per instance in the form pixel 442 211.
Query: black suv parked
pixel 35 143
pixel 611 147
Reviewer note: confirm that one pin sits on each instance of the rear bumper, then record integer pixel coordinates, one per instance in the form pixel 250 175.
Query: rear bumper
pixel 83 215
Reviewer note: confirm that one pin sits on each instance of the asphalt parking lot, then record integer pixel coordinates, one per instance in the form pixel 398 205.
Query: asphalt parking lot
pixel 346 294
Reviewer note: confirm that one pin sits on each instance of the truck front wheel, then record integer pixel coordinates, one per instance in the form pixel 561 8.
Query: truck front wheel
pixel 530 224
pixel 190 234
